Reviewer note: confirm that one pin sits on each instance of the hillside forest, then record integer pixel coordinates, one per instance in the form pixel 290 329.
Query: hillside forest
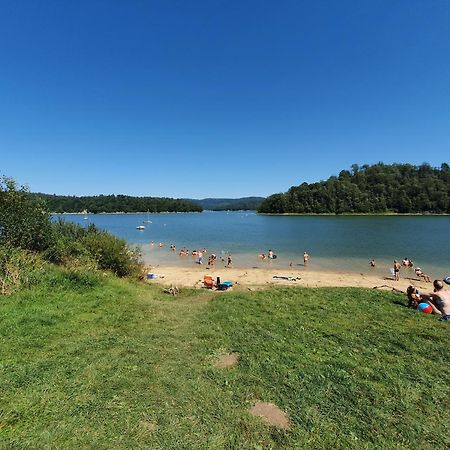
pixel 378 188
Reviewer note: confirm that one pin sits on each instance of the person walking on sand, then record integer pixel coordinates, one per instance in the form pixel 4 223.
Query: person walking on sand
pixel 305 258
pixel 396 270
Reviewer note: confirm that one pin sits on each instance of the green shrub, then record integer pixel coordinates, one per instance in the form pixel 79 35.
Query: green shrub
pixel 66 246
pixel 25 224
pixel 112 253
pixel 19 269
pixel 78 279
pixel 24 219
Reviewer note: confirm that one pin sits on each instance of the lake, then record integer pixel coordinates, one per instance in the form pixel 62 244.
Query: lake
pixel 335 243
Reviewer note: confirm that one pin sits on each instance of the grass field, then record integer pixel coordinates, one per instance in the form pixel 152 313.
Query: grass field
pixel 96 362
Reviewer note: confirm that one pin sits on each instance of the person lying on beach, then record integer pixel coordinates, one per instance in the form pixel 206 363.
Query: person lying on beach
pixel 287 278
pixel 418 271
pixel 262 256
pixel 439 299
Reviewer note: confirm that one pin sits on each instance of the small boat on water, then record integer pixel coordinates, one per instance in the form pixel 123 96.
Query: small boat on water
pixel 140 227
pixel 148 218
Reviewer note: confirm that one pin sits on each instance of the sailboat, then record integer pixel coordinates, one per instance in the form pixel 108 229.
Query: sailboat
pixel 148 218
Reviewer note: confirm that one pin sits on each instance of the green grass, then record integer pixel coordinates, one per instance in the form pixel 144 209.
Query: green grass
pixel 91 361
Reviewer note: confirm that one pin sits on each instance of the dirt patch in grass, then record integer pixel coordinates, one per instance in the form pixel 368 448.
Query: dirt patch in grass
pixel 271 414
pixel 148 426
pixel 229 360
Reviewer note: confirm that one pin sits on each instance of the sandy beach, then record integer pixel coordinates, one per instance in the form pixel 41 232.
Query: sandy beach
pixel 251 278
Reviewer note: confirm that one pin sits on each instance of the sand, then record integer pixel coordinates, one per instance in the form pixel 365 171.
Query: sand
pixel 257 278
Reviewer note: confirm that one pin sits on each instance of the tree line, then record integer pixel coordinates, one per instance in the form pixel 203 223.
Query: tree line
pixel 378 188
pixel 116 203
pixel 229 204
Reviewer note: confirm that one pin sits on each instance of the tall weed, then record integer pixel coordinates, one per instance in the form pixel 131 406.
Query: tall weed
pixel 19 269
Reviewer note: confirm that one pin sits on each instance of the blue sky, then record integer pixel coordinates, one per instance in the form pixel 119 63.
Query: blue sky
pixel 218 98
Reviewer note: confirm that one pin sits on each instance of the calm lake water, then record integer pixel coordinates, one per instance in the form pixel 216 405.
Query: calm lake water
pixel 344 243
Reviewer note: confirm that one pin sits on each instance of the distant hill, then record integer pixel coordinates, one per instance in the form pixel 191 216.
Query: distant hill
pixel 379 188
pixel 229 204
pixel 116 203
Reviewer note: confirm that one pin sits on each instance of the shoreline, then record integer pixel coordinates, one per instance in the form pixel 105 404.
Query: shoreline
pixel 259 278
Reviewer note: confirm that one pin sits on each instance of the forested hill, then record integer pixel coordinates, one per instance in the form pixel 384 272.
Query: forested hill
pixel 229 204
pixel 116 203
pixel 380 188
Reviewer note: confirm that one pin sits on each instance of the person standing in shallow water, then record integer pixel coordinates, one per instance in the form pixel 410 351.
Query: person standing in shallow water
pixel 305 258
pixel 396 270
pixel 229 261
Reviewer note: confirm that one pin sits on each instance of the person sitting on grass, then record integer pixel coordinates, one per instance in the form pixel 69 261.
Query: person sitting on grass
pixel 413 297
pixel 439 300
pixel 418 271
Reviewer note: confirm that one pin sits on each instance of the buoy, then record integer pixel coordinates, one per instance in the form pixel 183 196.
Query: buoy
pixel 425 308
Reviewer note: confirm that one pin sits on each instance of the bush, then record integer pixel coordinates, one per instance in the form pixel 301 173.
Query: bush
pixel 24 219
pixel 66 246
pixel 73 244
pixel 19 269
pixel 112 253
pixel 78 279
pixel 25 227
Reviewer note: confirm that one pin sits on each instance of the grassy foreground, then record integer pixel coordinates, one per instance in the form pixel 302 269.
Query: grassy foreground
pixel 97 362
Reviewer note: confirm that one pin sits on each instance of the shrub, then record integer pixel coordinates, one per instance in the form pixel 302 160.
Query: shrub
pixel 112 253
pixel 24 219
pixel 66 246
pixel 78 279
pixel 19 269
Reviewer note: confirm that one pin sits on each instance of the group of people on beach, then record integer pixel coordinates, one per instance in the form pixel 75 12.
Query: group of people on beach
pixel 439 299
pixel 406 262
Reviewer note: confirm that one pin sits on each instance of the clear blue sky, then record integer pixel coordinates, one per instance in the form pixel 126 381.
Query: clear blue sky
pixel 218 98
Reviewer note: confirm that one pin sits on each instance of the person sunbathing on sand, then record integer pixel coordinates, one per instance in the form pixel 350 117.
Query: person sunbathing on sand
pixel 420 274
